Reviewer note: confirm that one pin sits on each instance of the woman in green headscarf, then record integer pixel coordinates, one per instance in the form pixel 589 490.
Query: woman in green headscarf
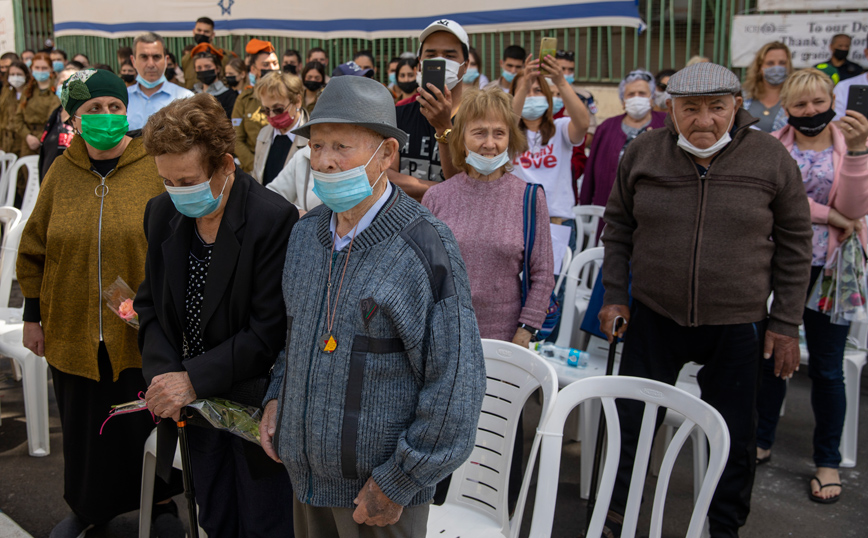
pixel 86 231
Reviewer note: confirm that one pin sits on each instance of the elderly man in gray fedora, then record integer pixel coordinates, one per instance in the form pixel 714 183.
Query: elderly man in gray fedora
pixel 710 217
pixel 377 395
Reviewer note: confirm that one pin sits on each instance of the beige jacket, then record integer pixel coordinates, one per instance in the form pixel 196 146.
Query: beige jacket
pixel 263 146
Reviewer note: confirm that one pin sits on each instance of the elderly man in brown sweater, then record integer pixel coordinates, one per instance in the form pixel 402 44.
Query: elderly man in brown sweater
pixel 710 217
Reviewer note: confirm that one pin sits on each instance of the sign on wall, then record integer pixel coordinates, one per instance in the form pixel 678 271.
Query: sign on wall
pixel 329 19
pixel 807 36
pixel 809 5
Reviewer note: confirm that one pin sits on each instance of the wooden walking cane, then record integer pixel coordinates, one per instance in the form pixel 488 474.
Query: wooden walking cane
pixel 187 473
pixel 601 427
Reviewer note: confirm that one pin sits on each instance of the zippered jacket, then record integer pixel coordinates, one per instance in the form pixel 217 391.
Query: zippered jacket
pixel 709 250
pixel 75 244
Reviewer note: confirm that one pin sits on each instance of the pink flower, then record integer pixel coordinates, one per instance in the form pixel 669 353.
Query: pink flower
pixel 126 312
pixel 856 299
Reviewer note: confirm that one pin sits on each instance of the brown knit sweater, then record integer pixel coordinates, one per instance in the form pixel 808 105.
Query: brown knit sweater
pixel 58 259
pixel 709 251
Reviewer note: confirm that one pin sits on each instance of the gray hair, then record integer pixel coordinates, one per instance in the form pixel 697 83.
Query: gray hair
pixel 148 38
pixel 637 74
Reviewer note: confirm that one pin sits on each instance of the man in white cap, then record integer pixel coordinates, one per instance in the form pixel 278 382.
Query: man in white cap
pixel 709 217
pixel 426 160
pixel 377 395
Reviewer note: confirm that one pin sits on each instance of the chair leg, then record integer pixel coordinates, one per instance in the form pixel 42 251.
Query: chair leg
pixel 16 370
pixel 588 424
pixel 850 433
pixel 35 381
pixel 149 469
pixel 700 466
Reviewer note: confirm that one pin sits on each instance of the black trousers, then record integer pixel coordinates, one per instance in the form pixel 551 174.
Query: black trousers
pixel 232 503
pixel 655 347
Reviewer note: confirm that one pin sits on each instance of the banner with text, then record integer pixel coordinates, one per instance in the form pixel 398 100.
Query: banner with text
pixel 7 26
pixel 807 36
pixel 330 19
pixel 809 5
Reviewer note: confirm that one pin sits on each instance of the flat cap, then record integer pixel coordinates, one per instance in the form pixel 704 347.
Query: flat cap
pixel 703 78
pixel 358 101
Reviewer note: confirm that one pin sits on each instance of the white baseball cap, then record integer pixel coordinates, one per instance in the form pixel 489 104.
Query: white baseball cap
pixel 443 25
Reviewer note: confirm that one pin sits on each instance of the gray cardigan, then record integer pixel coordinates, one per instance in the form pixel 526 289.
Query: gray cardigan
pixel 400 397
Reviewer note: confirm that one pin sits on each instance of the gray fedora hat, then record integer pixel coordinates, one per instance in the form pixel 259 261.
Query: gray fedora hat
pixel 356 101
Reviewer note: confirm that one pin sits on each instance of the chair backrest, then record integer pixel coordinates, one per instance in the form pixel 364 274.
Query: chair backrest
pixel 587 222
pixel 6 162
pixel 31 191
pixel 565 266
pixel 697 414
pixel 513 373
pixel 579 280
pixel 13 225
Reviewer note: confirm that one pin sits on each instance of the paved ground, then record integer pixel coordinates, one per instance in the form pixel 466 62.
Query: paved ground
pixel 31 489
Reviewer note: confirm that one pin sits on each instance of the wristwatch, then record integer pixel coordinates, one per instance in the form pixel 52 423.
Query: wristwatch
pixel 850 153
pixel 444 137
pixel 533 331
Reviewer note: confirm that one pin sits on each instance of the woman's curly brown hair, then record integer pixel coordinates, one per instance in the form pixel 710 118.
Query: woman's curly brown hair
pixel 197 122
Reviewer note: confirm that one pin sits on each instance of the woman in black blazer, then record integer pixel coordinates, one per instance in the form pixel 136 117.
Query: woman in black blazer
pixel 211 310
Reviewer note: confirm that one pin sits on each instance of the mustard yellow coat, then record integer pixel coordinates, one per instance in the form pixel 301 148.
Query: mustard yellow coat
pixel 63 243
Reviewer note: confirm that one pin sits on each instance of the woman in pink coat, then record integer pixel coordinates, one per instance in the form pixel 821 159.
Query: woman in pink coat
pixel 833 159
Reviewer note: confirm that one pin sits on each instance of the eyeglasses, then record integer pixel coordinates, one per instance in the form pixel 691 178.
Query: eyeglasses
pixel 278 110
pixel 565 55
pixel 637 75
pixel 661 87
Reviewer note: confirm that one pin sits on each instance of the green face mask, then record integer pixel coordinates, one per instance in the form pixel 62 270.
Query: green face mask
pixel 104 131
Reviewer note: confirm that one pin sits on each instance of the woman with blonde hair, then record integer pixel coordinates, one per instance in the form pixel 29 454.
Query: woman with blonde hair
pixel 762 85
pixel 833 159
pixel 281 97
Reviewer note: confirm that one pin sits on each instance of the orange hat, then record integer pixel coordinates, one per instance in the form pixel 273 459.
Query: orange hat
pixel 255 46
pixel 206 48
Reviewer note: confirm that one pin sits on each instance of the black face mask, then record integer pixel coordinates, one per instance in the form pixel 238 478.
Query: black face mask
pixel 840 54
pixel 408 87
pixel 263 72
pixel 207 77
pixel 313 85
pixel 170 74
pixel 231 81
pixel 290 68
pixel 130 78
pixel 201 38
pixel 812 125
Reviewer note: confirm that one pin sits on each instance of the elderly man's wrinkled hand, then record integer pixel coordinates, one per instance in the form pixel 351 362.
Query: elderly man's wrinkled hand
pixel 607 316
pixel 785 350
pixel 267 428
pixel 169 393
pixel 374 508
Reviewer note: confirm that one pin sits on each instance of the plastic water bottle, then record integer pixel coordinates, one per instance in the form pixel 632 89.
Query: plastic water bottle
pixel 573 357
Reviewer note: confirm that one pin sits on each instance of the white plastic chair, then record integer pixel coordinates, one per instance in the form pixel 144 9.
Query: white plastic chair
pixel 6 162
pixel 697 413
pixel 31 191
pixel 32 369
pixel 149 470
pixel 476 503
pixel 589 217
pixel 565 266
pixel 580 283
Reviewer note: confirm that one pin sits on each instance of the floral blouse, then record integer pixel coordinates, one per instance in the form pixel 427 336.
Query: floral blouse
pixel 818 172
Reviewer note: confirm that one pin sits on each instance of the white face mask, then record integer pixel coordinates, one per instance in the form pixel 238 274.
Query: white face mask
pixel 452 68
pixel 637 107
pixel 16 81
pixel 684 144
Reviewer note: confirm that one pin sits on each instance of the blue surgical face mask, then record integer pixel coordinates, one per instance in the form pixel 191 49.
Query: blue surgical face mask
pixel 150 85
pixel 252 78
pixel 41 76
pixel 507 76
pixel 393 79
pixel 557 105
pixel 534 107
pixel 57 66
pixel 342 191
pixel 471 75
pixel 485 165
pixel 196 201
pixel 570 78
pixel 28 63
pixel 59 90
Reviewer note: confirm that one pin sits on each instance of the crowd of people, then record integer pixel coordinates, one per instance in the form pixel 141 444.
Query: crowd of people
pixel 229 191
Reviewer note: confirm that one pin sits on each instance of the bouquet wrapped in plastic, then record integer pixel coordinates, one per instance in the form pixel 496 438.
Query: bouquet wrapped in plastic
pixel 841 290
pixel 119 298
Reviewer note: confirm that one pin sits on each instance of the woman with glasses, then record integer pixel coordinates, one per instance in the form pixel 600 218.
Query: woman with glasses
pixel 281 96
pixel 637 92
pixel 763 83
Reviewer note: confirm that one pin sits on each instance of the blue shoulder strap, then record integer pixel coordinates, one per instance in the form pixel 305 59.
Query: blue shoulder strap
pixel 529 230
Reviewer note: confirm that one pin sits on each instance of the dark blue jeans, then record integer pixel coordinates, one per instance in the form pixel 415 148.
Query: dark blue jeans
pixel 826 369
